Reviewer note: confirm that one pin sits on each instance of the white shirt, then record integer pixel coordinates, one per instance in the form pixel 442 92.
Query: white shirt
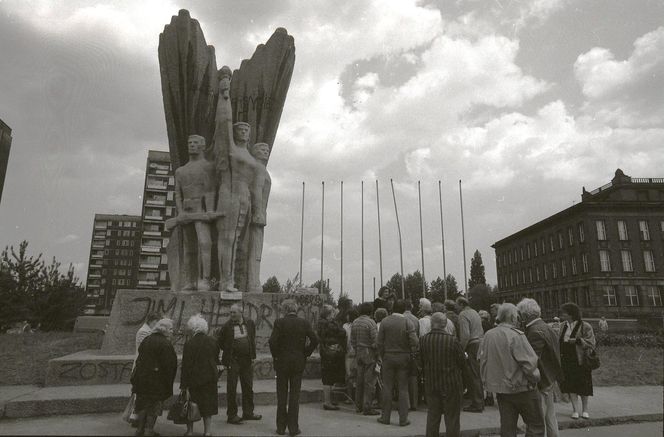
pixel 570 328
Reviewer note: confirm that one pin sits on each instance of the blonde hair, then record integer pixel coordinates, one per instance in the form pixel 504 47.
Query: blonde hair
pixel 197 324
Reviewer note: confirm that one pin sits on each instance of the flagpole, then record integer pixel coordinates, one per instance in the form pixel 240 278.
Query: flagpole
pixel 374 288
pixel 380 242
pixel 396 212
pixel 341 282
pixel 322 234
pixel 302 235
pixel 463 240
pixel 442 237
pixel 362 213
pixel 419 198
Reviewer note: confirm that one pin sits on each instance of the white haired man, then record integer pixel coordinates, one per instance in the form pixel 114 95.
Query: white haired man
pixel 237 340
pixel 544 341
pixel 509 368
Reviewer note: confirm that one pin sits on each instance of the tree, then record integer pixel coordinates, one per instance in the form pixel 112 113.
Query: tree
pixel 480 297
pixel 272 285
pixel 413 286
pixel 476 270
pixel 326 287
pixel 30 290
pixel 395 284
pixel 452 287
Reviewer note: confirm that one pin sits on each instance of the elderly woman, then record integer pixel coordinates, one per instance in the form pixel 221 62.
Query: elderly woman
pixel 200 358
pixel 332 339
pixel 575 336
pixel 152 378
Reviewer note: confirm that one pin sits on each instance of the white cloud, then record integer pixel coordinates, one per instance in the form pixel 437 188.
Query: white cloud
pixel 69 238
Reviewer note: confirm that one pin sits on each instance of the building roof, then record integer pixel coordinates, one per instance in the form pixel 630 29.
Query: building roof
pixel 595 197
pixel 159 155
pixel 126 217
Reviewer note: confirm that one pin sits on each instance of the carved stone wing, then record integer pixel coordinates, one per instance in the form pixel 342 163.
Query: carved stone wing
pixel 189 84
pixel 259 87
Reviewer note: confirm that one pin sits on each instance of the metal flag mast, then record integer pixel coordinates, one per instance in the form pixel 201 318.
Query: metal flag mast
pixel 442 239
pixel 302 235
pixel 322 235
pixel 380 242
pixel 396 212
pixel 419 198
pixel 463 240
pixel 362 213
pixel 341 282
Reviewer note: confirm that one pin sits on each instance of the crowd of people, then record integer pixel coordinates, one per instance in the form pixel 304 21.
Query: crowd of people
pixel 445 355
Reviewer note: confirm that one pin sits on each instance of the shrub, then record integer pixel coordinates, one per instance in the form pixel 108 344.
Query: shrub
pixel 638 340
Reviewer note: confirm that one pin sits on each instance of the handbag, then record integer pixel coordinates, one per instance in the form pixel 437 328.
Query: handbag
pixel 193 413
pixel 178 411
pixel 129 415
pixel 590 357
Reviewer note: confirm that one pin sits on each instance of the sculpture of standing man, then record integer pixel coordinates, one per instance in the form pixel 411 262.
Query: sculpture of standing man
pixel 262 185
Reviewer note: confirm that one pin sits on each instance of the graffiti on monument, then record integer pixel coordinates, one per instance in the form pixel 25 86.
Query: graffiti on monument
pixel 110 372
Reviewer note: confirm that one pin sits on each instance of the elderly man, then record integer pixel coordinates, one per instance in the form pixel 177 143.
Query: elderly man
pixel 237 340
pixel 544 341
pixel 470 335
pixel 363 335
pixel 509 368
pixel 292 341
pixel 442 364
pixel 397 346
pixel 413 376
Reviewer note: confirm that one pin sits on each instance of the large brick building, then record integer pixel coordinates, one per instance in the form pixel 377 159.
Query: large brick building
pixel 605 253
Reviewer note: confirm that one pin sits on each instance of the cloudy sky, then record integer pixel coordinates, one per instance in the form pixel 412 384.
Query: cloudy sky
pixel 525 101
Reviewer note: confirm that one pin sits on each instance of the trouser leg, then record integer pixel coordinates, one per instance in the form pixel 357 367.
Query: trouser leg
pixel 359 388
pixel 434 412
pixel 474 377
pixel 247 386
pixel 402 376
pixel 530 408
pixel 509 415
pixel 295 382
pixel 282 400
pixel 452 411
pixel 231 390
pixel 549 409
pixel 389 376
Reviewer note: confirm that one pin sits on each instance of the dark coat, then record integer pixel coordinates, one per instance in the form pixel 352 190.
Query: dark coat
pixel 200 357
pixel 155 369
pixel 288 343
pixel 442 362
pixel 225 340
pixel 544 341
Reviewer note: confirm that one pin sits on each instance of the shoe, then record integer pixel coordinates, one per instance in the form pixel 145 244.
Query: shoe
pixel 471 409
pixel 330 407
pixel 252 417
pixel 575 415
pixel 406 423
pixel 585 415
pixel 281 431
pixel 488 401
pixel 296 432
pixel 380 420
pixel 235 420
pixel 371 413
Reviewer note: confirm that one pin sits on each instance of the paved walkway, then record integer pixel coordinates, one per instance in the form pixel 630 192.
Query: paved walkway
pixel 610 405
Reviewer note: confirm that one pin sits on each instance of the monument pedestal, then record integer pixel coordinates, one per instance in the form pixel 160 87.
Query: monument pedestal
pixel 112 364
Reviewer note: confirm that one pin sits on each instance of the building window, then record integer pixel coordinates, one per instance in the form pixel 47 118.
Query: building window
pixel 648 261
pixel 523 276
pixel 560 240
pixel 570 236
pixel 563 268
pixel 584 261
pixel 604 261
pixel 528 249
pixel 573 265
pixel 517 278
pixel 537 273
pixel 631 296
pixel 551 243
pixel 582 236
pixel 521 253
pixel 655 296
pixel 626 256
pixel 601 230
pixel 535 246
pixel 622 230
pixel 643 229
pixel 511 280
pixel 610 296
pixel 546 273
pixel 543 246
pixel 163 275
pixel 586 296
pixel 509 257
pixel 554 273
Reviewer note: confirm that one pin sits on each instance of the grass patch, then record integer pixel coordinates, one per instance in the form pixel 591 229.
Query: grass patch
pixel 23 358
pixel 629 365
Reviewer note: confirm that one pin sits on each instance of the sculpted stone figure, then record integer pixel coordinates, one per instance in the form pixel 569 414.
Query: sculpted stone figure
pixel 261 191
pixel 236 170
pixel 195 191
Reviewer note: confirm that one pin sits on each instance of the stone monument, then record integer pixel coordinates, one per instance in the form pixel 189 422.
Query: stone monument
pixel 232 112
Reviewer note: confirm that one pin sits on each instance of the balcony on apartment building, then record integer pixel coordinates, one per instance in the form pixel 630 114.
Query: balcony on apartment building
pixel 97 255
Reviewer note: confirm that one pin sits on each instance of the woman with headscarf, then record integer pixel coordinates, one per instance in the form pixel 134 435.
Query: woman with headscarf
pixel 332 337
pixel 152 378
pixel 200 358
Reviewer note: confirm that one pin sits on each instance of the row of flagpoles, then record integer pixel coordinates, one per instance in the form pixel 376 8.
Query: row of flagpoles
pixel 380 244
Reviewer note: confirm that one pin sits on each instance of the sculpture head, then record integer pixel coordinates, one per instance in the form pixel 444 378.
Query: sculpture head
pixel 260 151
pixel 225 73
pixel 241 132
pixel 195 144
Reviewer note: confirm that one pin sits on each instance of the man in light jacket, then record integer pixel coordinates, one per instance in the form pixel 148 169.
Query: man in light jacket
pixel 508 365
pixel 470 335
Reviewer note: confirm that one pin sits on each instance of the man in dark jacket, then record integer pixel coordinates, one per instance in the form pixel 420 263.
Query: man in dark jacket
pixel 292 341
pixel 152 379
pixel 442 365
pixel 237 340
pixel 544 341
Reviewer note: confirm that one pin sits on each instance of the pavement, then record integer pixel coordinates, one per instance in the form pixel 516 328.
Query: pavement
pixel 609 406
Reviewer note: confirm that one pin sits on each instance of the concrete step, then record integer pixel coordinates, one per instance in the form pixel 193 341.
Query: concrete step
pixel 91 367
pixel 32 401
